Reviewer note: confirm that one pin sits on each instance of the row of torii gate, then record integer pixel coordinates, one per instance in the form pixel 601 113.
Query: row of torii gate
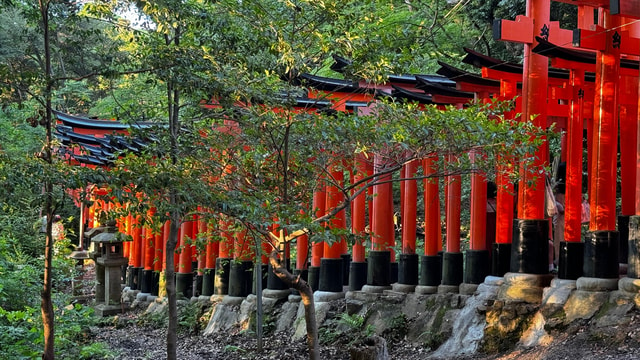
pixel 592 84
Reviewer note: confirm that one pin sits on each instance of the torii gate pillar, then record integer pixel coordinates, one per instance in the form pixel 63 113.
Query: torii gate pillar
pixel 530 247
pixel 602 243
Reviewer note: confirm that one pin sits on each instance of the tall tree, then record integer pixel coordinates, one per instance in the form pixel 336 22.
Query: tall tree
pixel 34 65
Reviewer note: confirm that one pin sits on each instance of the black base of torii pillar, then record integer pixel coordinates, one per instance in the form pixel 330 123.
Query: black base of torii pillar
pixel 570 260
pixel 500 259
pixel 530 246
pixel 601 259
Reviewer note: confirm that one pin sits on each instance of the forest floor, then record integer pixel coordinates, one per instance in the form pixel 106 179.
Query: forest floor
pixel 132 340
pixel 135 335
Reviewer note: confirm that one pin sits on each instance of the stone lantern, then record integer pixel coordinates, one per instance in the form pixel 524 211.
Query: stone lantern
pixel 109 256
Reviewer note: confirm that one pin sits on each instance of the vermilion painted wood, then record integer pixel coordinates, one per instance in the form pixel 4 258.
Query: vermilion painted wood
pixel 226 245
pixel 602 194
pixel 573 195
pixel 166 227
pixel 136 234
pixel 158 247
pixel 184 265
pixel 627 8
pixel 358 214
pixel 478 210
pixel 302 250
pixel 319 202
pixel 382 226
pixel 409 205
pixel 129 231
pixel 454 186
pixel 213 247
pixel 243 246
pixel 534 108
pixel 505 195
pixel 432 221
pixel 193 236
pixel 628 136
pixel 149 244
pixel 334 198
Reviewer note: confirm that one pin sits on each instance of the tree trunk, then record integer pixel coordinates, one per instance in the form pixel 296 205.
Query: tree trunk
pixel 170 285
pixel 46 306
pixel 307 300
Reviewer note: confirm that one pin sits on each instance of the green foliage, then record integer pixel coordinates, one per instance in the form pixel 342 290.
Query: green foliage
pixel 191 317
pixel 18 333
pixel 233 349
pixel 347 329
pixel 21 327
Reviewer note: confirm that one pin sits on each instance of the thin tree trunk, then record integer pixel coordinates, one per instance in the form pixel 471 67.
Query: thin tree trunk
pixel 46 305
pixel 173 101
pixel 170 284
pixel 307 300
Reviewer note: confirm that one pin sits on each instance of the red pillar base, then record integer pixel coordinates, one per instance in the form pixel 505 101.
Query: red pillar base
pixel 145 281
pixel 221 282
pixel 346 260
pixel 357 275
pixel 133 277
pixel 240 278
pixel 331 277
pixel 184 284
pixel 500 259
pixel 379 268
pixel 408 269
pixel 530 248
pixel 431 270
pixel 476 266
pixel 601 255
pixel 208 279
pixel 623 229
pixel 314 277
pixel 155 283
pixel 452 265
pixel 393 272
pixel 570 260
pixel 273 281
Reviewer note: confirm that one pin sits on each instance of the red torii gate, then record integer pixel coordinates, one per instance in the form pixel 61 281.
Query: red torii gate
pixel 607 39
pixel 98 140
pixel 630 9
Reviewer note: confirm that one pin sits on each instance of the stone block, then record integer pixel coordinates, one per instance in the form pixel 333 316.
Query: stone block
pixel 596 284
pixel 426 290
pixel 448 289
pixel 629 285
pixel 326 296
pixel 375 288
pixel 558 292
pixel 403 288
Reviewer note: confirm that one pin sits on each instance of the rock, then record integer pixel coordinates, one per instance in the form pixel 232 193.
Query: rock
pixel 584 304
pixel 536 335
pixel 287 316
pixel 354 306
pixel 371 348
pixel 223 318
